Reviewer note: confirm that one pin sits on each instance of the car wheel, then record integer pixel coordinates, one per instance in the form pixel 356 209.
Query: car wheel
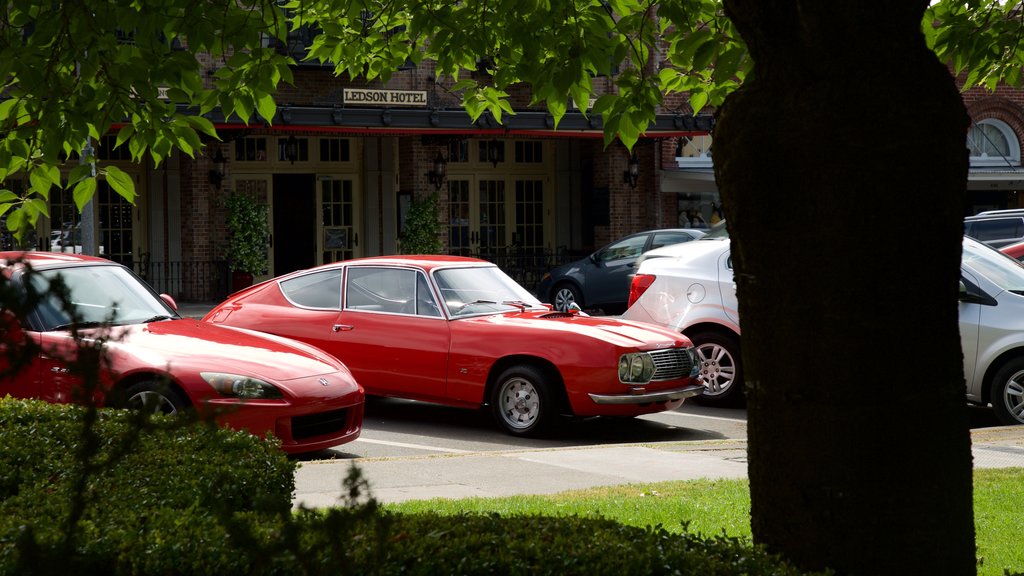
pixel 522 401
pixel 156 398
pixel 564 295
pixel 1007 394
pixel 720 369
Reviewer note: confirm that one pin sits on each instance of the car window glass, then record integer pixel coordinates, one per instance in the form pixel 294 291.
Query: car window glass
pixel 1001 229
pixel 626 248
pixel 666 238
pixel 997 267
pixel 381 290
pixel 425 304
pixel 481 290
pixel 316 290
pixel 102 294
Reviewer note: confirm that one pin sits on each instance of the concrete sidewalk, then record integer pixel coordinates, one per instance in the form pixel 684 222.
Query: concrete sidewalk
pixel 490 474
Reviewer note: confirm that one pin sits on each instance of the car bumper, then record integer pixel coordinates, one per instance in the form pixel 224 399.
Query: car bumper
pixel 649 397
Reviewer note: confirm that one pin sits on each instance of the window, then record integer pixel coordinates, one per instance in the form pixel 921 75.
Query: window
pixel 381 290
pixel 251 150
pixel 666 238
pixel 626 248
pixel 317 290
pixel 993 143
pixel 335 150
pixel 994 230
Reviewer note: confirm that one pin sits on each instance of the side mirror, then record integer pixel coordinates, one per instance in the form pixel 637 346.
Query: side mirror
pixel 970 293
pixel 169 301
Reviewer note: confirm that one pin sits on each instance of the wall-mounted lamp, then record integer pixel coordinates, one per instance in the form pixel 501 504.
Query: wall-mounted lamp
pixel 291 149
pixel 216 175
pixel 632 173
pixel 493 152
pixel 436 176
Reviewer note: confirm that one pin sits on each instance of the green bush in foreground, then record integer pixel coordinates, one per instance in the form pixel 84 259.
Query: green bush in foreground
pixel 129 493
pixel 137 496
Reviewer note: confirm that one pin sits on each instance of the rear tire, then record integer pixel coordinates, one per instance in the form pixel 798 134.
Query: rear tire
pixel 522 401
pixel 720 369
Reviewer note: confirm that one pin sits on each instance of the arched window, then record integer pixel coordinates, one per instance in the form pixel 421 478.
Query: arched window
pixel 993 143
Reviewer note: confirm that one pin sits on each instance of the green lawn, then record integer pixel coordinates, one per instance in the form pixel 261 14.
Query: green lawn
pixel 712 507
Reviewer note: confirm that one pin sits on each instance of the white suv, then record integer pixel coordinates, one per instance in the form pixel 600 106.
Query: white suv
pixel 694 293
pixel 691 290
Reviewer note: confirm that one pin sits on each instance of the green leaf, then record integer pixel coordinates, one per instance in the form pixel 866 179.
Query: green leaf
pixel 84 192
pixel 121 182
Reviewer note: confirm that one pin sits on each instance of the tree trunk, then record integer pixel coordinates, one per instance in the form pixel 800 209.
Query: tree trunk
pixel 842 166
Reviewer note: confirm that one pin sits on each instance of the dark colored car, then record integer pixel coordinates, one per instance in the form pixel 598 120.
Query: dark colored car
pixel 165 363
pixel 602 279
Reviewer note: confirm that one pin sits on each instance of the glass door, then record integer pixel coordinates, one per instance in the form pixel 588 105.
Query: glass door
pixel 339 223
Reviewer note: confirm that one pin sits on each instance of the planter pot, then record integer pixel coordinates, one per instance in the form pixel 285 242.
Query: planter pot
pixel 240 280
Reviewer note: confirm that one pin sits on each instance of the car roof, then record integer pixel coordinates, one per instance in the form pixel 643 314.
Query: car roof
pixel 42 260
pixel 425 261
pixel 995 214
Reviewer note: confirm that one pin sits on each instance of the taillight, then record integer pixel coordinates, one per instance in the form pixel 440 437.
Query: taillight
pixel 639 285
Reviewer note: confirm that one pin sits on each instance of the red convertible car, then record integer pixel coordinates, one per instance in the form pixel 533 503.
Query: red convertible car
pixel 459 331
pixel 160 361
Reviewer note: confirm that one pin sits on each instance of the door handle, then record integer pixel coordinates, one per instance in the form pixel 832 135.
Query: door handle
pixel 342 328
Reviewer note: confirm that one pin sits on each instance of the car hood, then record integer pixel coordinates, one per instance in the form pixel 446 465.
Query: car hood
pixel 202 346
pixel 618 332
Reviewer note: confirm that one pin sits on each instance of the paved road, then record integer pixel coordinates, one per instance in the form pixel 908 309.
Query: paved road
pixel 411 451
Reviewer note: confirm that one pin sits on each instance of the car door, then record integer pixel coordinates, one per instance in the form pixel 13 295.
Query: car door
pixel 970 322
pixel 391 333
pixel 38 371
pixel 607 278
pixel 727 287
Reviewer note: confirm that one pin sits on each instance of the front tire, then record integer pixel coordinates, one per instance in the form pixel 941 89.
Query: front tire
pixel 564 295
pixel 522 401
pixel 1007 393
pixel 720 369
pixel 156 398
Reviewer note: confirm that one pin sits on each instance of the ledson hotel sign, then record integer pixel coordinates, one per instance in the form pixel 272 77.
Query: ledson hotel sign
pixel 357 97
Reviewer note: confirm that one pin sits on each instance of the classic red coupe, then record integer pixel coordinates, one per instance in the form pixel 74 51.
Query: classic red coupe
pixel 162 362
pixel 459 331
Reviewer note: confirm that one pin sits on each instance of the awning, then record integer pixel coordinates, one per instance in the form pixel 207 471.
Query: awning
pixel 453 122
pixel 1008 178
pixel 689 181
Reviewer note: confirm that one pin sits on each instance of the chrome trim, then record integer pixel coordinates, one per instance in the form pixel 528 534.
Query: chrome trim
pixel 659 396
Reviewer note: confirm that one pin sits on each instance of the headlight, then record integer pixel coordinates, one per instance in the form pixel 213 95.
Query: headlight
pixel 238 386
pixel 636 368
pixel 694 361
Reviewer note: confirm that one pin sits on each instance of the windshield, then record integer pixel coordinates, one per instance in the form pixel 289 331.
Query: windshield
pixel 1000 269
pixel 481 290
pixel 101 294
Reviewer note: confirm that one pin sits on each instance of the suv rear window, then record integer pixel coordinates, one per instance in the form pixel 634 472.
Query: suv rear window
pixel 996 229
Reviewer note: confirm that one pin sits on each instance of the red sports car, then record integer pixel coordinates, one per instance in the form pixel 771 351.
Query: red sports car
pixel 1015 250
pixel 459 331
pixel 247 380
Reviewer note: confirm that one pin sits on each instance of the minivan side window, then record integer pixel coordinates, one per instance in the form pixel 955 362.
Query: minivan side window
pixel 999 229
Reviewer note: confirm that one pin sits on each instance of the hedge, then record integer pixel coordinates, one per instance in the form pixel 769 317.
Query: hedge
pixel 193 498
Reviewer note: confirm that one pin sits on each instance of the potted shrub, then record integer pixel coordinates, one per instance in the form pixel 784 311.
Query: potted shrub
pixel 248 239
pixel 421 228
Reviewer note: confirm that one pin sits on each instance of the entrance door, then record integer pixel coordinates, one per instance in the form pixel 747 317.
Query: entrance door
pixel 339 218
pixel 294 222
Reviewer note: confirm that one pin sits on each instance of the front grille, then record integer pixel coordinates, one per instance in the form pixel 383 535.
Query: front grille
pixel 671 364
pixel 319 424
